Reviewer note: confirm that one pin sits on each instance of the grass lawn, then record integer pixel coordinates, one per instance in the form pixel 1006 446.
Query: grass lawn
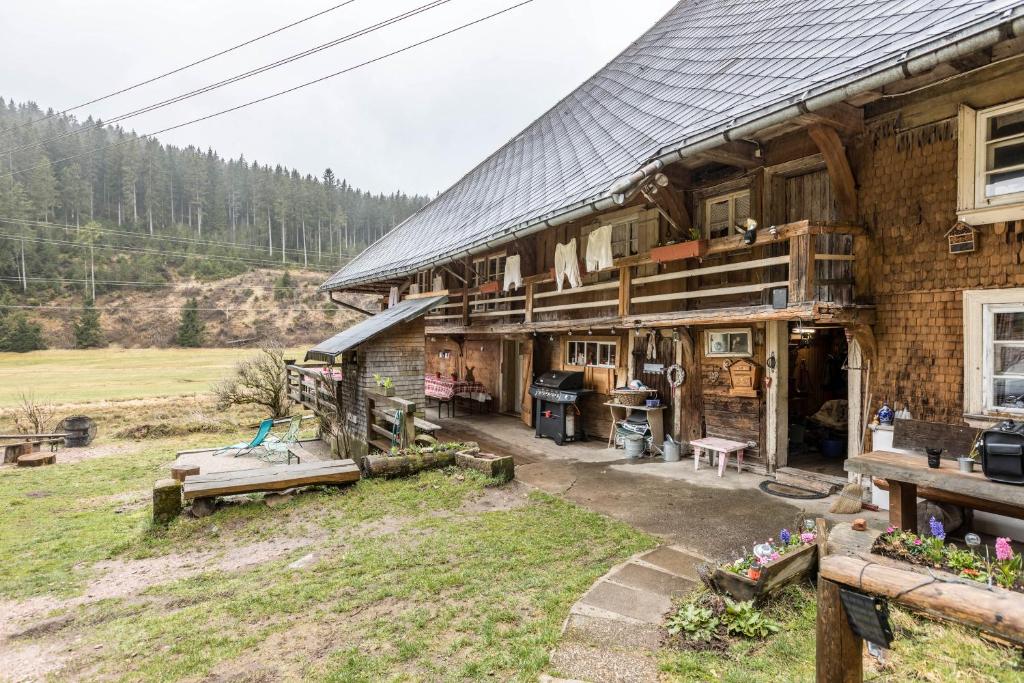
pixel 436 577
pixel 113 374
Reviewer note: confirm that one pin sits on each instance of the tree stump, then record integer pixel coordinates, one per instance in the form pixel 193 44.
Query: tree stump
pixel 37 459
pixel 166 501
pixel 179 472
pixel 501 467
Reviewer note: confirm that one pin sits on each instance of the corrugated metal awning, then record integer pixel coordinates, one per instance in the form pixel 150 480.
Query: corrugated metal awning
pixel 410 309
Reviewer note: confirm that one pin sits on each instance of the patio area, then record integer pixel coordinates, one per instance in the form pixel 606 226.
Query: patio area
pixel 709 515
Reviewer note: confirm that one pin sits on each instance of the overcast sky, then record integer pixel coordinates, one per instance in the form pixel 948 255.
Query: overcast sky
pixel 416 122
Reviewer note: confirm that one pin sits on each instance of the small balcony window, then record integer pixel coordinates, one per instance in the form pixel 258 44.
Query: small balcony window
pixel 723 212
pixel 991 164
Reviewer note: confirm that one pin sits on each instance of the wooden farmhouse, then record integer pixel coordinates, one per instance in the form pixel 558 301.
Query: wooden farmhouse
pixel 775 217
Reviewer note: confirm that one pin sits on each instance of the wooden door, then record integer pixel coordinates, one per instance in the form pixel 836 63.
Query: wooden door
pixel 526 379
pixel 511 376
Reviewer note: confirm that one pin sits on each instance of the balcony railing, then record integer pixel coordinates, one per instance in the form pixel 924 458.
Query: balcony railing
pixel 811 263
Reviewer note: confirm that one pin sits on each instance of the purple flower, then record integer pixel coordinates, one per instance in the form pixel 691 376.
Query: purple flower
pixel 1003 550
pixel 784 536
pixel 775 556
pixel 937 529
pixel 890 529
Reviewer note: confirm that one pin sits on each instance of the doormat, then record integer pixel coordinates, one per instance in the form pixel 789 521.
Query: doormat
pixel 774 488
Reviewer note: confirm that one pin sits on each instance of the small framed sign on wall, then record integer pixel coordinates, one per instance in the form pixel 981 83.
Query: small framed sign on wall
pixel 963 238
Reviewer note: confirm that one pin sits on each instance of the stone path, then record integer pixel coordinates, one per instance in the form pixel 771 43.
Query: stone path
pixel 614 630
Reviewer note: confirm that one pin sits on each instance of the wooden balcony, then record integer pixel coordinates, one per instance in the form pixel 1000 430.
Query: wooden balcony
pixel 313 388
pixel 800 270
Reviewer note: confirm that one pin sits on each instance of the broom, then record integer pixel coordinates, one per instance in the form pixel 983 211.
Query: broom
pixel 849 500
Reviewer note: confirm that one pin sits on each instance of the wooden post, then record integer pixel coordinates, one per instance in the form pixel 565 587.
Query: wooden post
pixel 801 269
pixel 838 650
pixel 903 505
pixel 777 395
pixel 465 307
pixel 691 397
pixel 625 290
pixel 528 316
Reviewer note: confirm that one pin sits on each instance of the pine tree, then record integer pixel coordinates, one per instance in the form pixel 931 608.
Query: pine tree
pixel 20 335
pixel 88 334
pixel 191 328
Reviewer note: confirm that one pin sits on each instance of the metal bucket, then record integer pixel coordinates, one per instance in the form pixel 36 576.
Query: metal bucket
pixel 671 450
pixel 634 446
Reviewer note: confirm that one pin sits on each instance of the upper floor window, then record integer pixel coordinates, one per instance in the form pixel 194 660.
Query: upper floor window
pixel 991 163
pixel 722 212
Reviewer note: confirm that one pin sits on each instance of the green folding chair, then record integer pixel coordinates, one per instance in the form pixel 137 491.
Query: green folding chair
pixel 247 448
pixel 275 447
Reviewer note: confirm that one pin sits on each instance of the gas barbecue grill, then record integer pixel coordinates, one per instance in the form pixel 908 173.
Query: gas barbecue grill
pixel 555 413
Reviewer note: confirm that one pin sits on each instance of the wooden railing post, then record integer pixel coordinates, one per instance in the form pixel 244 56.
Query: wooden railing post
pixel 625 290
pixel 838 650
pixel 801 269
pixel 528 316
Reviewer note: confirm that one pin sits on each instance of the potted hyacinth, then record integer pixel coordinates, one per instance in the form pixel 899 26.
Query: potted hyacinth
pixel 769 566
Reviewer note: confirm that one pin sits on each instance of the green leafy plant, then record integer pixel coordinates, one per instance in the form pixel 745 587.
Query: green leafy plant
pixel 693 622
pixel 1007 572
pixel 385 383
pixel 742 618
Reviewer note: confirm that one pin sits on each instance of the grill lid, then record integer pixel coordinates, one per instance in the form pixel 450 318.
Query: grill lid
pixel 561 379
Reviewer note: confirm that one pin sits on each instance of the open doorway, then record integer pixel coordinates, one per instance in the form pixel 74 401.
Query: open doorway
pixel 511 376
pixel 818 416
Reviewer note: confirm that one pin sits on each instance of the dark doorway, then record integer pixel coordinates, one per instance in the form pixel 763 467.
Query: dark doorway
pixel 818 420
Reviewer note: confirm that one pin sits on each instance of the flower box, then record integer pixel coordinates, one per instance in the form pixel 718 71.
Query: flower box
pixel 790 568
pixel 492 287
pixel 679 251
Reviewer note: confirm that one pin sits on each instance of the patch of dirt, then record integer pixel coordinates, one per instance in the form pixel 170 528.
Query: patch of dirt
pixel 493 499
pixel 72 455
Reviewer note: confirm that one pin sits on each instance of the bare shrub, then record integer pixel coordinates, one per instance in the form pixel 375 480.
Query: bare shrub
pixel 259 380
pixel 33 416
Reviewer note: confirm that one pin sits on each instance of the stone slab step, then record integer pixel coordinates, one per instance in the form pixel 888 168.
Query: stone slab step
pixel 674 561
pixel 813 481
pixel 650 579
pixel 602 665
pixel 611 633
pixel 630 602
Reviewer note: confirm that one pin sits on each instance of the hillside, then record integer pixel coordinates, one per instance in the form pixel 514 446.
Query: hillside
pixel 249 308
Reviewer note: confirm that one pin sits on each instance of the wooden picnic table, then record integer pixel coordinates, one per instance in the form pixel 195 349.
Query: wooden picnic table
pixel 908 474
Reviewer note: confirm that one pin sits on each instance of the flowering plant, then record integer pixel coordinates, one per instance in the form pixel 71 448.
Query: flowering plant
pixel 787 543
pixel 1007 569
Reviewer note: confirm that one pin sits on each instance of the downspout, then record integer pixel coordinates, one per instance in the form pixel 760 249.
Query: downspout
pixel 620 190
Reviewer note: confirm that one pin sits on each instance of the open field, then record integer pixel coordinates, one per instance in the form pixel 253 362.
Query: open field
pixel 114 374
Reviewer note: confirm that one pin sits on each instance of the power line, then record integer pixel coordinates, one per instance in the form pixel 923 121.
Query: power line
pixel 169 238
pixel 180 68
pixel 368 62
pixel 163 308
pixel 139 284
pixel 156 252
pixel 234 79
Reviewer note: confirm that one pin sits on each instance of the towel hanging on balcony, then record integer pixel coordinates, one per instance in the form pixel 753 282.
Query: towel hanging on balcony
pixel 513 274
pixel 599 249
pixel 567 265
pixel 438 283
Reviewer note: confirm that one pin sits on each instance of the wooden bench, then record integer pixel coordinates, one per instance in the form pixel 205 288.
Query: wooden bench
pixel 717 449
pixel 206 487
pixel 908 475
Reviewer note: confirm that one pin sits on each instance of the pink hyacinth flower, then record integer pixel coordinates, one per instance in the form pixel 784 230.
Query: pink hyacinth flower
pixel 891 529
pixel 1003 550
pixel 917 541
pixel 807 537
pixel 775 556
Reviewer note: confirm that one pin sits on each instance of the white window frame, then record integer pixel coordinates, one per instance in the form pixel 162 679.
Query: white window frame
pixel 729 354
pixel 601 344
pixel 731 197
pixel 973 207
pixel 980 307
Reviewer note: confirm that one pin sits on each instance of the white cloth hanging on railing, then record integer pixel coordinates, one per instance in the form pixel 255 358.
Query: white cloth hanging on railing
pixel 393 297
pixel 567 265
pixel 438 283
pixel 513 274
pixel 599 249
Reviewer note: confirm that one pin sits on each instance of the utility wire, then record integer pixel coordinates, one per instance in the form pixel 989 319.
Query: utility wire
pixel 180 68
pixel 160 308
pixel 156 252
pixel 279 93
pixel 166 238
pixel 139 284
pixel 233 79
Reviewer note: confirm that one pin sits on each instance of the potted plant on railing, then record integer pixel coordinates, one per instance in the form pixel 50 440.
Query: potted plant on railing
pixel 385 384
pixel 694 247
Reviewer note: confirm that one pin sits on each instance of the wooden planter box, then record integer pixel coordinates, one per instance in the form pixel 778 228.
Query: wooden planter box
pixel 492 287
pixel 788 569
pixel 679 251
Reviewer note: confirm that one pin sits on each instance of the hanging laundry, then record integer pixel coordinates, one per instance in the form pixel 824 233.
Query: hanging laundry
pixel 567 265
pixel 652 346
pixel 438 283
pixel 393 297
pixel 513 274
pixel 599 249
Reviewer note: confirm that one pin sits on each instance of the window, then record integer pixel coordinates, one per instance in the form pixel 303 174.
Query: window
pixel 991 164
pixel 724 343
pixel 993 353
pixel 599 354
pixel 425 281
pixel 722 212
pixel 488 269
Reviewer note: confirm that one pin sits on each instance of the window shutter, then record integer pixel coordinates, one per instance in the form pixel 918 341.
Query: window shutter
pixel 967 165
pixel 718 218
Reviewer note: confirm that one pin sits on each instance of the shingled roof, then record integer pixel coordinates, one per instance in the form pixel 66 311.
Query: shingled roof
pixel 704 68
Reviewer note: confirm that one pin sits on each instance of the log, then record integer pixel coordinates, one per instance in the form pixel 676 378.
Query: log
pixel 391 466
pixel 37 459
pixel 838 650
pixel 491 465
pixel 992 610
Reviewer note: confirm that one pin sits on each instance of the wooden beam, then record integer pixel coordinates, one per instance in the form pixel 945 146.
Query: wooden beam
pixel 903 505
pixel 701 293
pixel 426 295
pixel 839 171
pixel 345 304
pixel 625 287
pixel 691 395
pixel 801 269
pixel 838 650
pixel 845 119
pixel 736 153
pixel 530 288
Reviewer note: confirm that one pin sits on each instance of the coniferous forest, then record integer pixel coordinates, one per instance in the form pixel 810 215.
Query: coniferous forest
pixel 83 202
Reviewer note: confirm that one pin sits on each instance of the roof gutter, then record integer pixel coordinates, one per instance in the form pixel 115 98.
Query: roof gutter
pixel 1004 28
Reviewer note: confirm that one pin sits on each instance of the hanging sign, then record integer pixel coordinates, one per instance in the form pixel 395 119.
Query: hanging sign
pixel 962 238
